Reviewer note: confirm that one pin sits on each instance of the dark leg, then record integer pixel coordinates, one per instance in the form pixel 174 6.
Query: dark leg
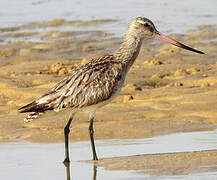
pixel 66 132
pixel 91 132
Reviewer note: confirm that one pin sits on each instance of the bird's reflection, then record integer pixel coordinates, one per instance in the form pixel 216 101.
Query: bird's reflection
pixel 67 165
pixel 68 175
pixel 94 171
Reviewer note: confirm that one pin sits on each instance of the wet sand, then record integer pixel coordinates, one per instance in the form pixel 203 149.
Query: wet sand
pixel 164 164
pixel 168 90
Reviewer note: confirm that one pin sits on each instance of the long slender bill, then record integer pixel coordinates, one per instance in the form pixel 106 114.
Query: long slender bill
pixel 175 43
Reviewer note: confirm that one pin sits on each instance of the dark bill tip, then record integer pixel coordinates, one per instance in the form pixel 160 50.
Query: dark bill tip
pixel 162 37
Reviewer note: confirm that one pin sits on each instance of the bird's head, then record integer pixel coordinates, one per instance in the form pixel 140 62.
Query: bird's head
pixel 143 29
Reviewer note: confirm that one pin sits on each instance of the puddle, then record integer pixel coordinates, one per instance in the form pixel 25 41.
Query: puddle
pixel 189 13
pixel 164 14
pixel 44 161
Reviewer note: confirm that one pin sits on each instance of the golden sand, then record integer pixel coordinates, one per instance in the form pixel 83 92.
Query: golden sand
pixel 168 90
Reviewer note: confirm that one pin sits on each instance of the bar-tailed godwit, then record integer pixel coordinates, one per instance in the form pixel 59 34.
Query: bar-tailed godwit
pixel 96 83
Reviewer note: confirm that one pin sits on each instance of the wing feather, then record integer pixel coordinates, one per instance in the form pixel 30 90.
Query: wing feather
pixel 88 85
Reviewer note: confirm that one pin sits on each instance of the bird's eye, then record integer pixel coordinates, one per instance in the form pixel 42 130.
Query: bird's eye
pixel 146 24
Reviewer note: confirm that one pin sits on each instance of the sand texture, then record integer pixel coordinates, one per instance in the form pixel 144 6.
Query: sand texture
pixel 167 90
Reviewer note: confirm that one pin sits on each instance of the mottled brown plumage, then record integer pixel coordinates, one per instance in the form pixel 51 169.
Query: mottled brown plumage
pixel 95 84
pixel 88 85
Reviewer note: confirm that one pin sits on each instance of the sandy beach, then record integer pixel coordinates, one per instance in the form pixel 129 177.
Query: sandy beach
pixel 168 90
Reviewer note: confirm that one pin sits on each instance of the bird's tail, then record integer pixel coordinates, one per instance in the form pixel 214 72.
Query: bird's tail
pixel 32 115
pixel 35 110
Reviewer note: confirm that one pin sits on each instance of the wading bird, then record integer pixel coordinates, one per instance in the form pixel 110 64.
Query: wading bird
pixel 96 83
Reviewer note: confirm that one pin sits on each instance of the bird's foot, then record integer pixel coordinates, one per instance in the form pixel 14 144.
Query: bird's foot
pixel 95 158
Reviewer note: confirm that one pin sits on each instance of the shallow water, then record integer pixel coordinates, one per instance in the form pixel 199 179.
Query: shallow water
pixel 169 16
pixel 23 160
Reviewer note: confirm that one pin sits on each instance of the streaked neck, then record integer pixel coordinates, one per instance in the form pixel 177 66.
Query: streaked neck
pixel 129 50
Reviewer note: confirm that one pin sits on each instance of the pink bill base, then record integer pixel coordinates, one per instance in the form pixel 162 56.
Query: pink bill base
pixel 162 37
